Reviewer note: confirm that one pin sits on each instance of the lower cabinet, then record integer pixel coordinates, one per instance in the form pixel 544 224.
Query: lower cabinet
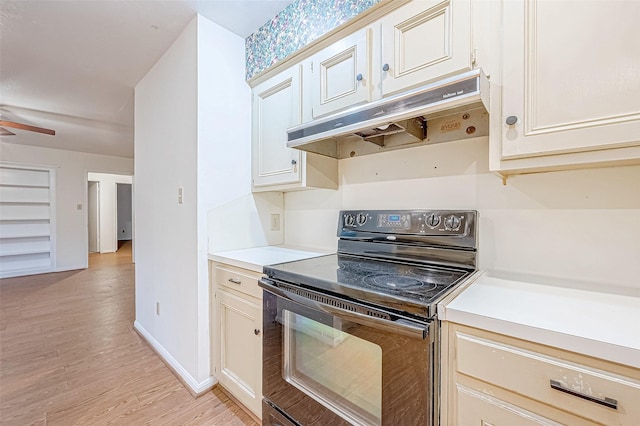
pixel 237 334
pixel 477 408
pixel 496 380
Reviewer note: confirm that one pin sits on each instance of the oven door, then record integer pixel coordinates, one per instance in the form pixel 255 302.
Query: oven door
pixel 326 361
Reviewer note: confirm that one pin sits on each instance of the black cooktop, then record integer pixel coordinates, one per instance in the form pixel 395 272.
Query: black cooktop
pixel 407 288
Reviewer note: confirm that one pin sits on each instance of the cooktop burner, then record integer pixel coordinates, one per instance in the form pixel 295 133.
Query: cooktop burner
pixel 385 281
pixel 402 286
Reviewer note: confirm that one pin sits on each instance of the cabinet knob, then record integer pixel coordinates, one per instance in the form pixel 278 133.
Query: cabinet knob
pixel 256 331
pixel 385 67
pixel 294 162
pixel 511 120
pixel 359 77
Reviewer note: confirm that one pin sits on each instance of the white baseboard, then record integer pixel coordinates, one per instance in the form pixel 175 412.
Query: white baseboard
pixel 194 387
pixel 71 268
pixel 11 273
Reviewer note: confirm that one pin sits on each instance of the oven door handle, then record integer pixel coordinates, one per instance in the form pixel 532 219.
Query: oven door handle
pixel 401 326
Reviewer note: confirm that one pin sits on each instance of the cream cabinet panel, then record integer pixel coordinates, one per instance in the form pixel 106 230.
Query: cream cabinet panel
pixel 424 41
pixel 236 344
pixel 500 377
pixel 570 80
pixel 240 368
pixel 478 409
pixel 340 74
pixel 276 106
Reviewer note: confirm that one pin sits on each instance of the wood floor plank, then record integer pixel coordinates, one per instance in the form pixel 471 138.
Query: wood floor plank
pixel 69 355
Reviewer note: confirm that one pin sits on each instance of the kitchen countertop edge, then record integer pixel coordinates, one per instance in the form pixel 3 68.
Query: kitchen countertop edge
pixel 255 258
pixel 476 307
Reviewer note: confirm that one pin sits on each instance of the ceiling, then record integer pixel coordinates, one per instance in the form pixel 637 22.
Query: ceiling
pixel 72 65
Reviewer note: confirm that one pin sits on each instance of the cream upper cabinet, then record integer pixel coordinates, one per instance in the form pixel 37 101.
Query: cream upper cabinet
pixel 341 74
pixel 416 43
pixel 236 344
pixel 423 41
pixel 276 106
pixel 570 85
pixel 501 381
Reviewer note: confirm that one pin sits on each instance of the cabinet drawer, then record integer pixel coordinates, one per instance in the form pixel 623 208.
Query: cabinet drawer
pixel 238 281
pixel 477 408
pixel 576 389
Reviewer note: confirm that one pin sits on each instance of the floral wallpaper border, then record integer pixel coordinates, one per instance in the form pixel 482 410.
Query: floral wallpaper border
pixel 297 25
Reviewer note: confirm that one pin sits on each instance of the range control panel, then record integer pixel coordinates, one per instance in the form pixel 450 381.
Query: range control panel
pixel 413 222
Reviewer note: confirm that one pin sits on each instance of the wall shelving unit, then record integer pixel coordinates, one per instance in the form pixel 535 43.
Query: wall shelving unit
pixel 27 220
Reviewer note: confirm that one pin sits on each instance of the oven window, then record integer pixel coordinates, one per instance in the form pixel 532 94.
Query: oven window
pixel 341 371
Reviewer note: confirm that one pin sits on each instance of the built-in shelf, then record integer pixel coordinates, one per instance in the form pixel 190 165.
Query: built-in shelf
pixel 15 236
pixel 24 252
pixel 4 185
pixel 26 220
pixel 24 203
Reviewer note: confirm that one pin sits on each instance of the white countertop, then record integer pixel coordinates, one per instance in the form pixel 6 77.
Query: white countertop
pixel 255 258
pixel 594 323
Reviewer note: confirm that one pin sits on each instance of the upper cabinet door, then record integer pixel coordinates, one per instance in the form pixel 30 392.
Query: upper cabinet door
pixel 276 107
pixel 341 74
pixel 571 78
pixel 424 41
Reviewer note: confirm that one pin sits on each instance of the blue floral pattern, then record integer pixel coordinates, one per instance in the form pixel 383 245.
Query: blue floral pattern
pixel 297 25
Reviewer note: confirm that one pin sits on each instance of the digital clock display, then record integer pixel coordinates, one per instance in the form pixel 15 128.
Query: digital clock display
pixel 394 218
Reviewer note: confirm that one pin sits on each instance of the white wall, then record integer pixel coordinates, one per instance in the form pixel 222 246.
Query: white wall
pixel 108 216
pixel 579 225
pixel 224 147
pixel 71 190
pixel 165 150
pixel 192 131
pixel 245 222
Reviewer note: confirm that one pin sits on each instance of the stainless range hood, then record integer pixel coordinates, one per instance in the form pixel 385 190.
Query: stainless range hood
pixel 451 109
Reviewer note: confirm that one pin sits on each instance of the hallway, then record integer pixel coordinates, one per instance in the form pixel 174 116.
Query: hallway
pixel 69 355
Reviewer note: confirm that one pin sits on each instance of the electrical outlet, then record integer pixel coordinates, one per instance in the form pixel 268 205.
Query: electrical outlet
pixel 158 308
pixel 275 222
pixel 180 194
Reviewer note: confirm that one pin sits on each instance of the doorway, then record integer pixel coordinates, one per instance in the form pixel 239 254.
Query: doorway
pixel 109 213
pixel 124 213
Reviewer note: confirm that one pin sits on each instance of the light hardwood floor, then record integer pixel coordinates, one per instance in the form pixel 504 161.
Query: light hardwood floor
pixel 69 355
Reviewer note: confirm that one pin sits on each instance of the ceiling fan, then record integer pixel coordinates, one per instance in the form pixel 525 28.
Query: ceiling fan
pixel 20 126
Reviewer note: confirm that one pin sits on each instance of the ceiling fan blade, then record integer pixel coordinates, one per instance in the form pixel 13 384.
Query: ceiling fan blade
pixel 5 132
pixel 27 127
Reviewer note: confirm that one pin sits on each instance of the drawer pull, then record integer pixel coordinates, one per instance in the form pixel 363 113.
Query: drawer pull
pixel 232 280
pixel 607 402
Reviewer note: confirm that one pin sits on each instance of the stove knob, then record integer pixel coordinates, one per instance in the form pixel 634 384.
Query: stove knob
pixel 361 218
pixel 452 223
pixel 433 220
pixel 349 220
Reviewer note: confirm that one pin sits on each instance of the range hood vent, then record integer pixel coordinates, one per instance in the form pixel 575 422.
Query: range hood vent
pixel 451 109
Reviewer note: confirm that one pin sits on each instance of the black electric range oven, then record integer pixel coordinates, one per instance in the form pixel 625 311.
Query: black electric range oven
pixel 353 337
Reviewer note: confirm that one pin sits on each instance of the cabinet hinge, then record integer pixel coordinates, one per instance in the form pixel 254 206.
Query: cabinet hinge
pixel 474 54
pixel 311 63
